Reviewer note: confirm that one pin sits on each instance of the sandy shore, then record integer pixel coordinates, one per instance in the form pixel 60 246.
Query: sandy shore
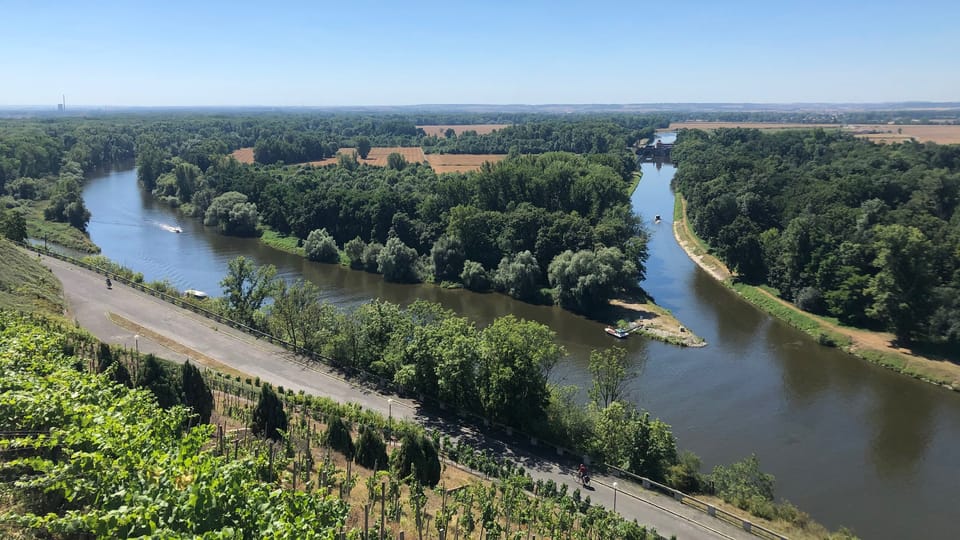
pixel 653 321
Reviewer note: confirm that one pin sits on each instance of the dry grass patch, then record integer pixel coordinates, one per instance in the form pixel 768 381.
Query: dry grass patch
pixel 443 163
pixel 481 129
pixel 452 476
pixel 243 155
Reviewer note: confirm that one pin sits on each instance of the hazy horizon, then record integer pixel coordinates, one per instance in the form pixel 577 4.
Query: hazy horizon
pixel 363 54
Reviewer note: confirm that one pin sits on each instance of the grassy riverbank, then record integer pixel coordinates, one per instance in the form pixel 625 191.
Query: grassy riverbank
pixel 635 182
pixel 289 244
pixel 874 347
pixel 55 232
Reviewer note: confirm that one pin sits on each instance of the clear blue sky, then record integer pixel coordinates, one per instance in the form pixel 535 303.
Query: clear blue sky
pixel 400 53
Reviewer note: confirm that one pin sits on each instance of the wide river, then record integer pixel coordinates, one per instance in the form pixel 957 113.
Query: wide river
pixel 848 442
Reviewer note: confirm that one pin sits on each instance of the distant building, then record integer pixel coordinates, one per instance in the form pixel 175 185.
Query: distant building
pixel 59 107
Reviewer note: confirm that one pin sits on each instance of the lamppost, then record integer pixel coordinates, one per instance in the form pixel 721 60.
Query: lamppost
pixel 614 496
pixel 136 359
pixel 390 416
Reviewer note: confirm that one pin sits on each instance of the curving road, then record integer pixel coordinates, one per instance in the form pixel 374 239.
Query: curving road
pixel 90 303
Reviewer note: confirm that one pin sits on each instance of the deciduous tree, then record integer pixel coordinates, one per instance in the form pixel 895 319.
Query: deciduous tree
pixel 320 246
pixel 608 369
pixel 245 288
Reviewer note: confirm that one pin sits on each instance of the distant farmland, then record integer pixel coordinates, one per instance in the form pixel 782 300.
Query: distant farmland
pixel 882 133
pixel 481 129
pixel 940 134
pixel 378 157
pixel 461 162
pixel 763 126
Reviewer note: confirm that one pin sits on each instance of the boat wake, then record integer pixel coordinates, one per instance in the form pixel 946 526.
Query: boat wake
pixel 170 228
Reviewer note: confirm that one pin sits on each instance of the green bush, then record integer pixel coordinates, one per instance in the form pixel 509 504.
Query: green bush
pixel 474 277
pixel 269 418
pixel 743 483
pixel 321 247
pixel 418 454
pixel 338 437
pixel 371 450
pixel 685 475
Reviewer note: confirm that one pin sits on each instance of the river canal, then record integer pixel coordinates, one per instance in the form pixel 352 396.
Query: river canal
pixel 848 442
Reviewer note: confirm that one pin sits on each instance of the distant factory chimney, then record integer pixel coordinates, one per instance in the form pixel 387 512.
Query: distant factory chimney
pixel 61 107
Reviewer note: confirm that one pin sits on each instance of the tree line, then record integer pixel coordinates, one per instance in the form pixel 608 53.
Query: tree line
pixel 551 226
pixel 866 233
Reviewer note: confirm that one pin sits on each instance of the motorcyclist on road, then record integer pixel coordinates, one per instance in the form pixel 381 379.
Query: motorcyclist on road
pixel 581 472
pixel 109 284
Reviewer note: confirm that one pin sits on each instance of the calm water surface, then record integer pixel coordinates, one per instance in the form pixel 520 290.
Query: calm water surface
pixel 848 442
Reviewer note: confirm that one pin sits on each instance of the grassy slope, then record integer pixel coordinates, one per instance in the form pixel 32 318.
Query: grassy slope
pixel 27 285
pixel 634 183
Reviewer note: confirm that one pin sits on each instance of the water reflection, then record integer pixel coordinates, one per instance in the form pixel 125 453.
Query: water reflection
pixel 903 428
pixel 804 379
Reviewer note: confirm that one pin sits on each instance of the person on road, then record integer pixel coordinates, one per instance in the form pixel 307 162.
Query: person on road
pixel 582 472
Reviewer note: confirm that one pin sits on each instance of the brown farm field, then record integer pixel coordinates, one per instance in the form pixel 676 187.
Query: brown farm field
pixel 443 163
pixel 881 133
pixel 243 155
pixel 764 126
pixel 885 133
pixel 481 129
pixel 377 157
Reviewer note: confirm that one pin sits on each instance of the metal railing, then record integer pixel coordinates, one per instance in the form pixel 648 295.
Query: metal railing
pixel 389 385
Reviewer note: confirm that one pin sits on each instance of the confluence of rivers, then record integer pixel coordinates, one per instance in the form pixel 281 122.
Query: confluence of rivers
pixel 849 442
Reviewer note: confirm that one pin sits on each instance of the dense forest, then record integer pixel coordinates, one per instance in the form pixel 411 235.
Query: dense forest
pixel 866 233
pixel 502 227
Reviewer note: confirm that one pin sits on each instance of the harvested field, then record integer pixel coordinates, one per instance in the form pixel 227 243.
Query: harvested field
pixel 243 155
pixel 885 133
pixel 765 126
pixel 881 133
pixel 378 155
pixel 481 129
pixel 443 163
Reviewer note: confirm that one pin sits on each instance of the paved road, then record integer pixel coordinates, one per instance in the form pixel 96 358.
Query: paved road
pixel 90 302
